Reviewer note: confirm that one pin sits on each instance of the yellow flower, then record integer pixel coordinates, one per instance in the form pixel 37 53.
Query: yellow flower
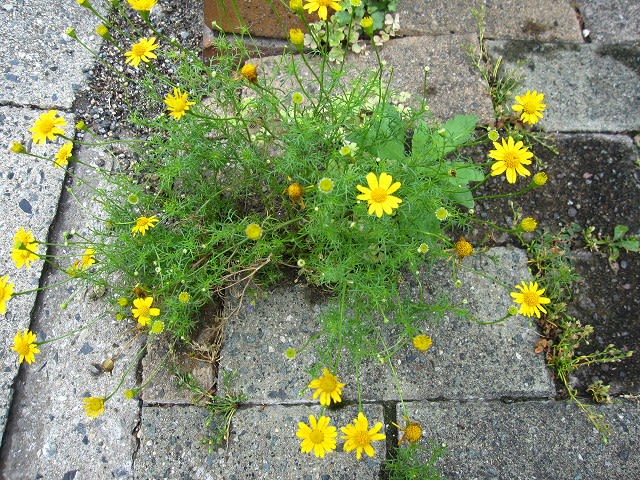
pixel 141 51
pixel 422 342
pixel 26 346
pixel 356 3
pixel 177 104
pixel 297 98
pixel 327 388
pixel 296 6
pixel 442 214
pixel 25 248
pixel 367 24
pixel 325 185
pixel 321 6
pixel 157 326
pixel 295 191
pixel 6 292
pixel 184 297
pixel 130 393
pixel 379 194
pixel 531 106
pixel 143 224
pixel 123 301
pixel 528 224
pixel 250 72
pixel 297 37
pixel 63 154
pixel 47 127
pixel 102 30
pixel 17 147
pixel 412 432
pixel 530 299
pixel 93 406
pixel 358 436
pixel 87 258
pixel 142 310
pixel 423 248
pixel 142 5
pixel 463 248
pixel 317 436
pixel 511 157
pixel 253 231
pixel 539 179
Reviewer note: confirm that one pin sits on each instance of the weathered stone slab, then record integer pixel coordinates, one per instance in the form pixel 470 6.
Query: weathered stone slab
pixel 544 439
pixel 48 434
pixel 453 85
pixel 42 66
pixel 262 444
pixel 611 21
pixel 588 88
pixel 543 20
pixel 467 360
pixel 30 193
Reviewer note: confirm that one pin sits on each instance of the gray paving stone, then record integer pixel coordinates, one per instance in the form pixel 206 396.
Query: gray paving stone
pixel 542 20
pixel 530 440
pixel 30 192
pixel 48 433
pixel 467 360
pixel 611 21
pixel 262 445
pixel 454 86
pixel 41 65
pixel 588 88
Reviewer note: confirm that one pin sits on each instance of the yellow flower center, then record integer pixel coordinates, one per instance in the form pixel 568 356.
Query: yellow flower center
pixel 379 195
pixel 324 3
pixel 361 438
pixel 413 432
pixel 511 159
pixel 46 125
pixel 531 299
pixel 316 436
pixel 143 311
pixel 328 384
pixel 142 222
pixel 139 49
pixel 530 105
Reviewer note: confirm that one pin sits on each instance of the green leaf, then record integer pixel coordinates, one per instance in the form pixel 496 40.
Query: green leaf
pixel 619 232
pixel 630 244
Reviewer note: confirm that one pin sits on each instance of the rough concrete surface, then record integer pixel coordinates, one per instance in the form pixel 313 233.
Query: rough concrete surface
pixel 41 65
pixel 30 193
pixel 48 433
pixel 467 360
pixel 542 20
pixel 530 440
pixel 262 444
pixel 588 88
pixel 611 21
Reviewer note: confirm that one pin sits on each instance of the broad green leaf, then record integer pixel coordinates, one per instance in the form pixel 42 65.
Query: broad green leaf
pixel 619 232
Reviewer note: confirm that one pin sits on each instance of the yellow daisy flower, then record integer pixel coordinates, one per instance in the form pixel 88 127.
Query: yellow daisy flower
pixel 93 406
pixel 25 248
pixel 142 5
pixel 184 297
pixel 531 106
pixel 321 6
pixel 177 104
pixel 88 258
pixel 530 299
pixel 295 191
pixel 250 72
pixel 253 231
pixel 327 388
pixel 296 6
pixel 379 194
pixel 539 179
pixel 317 436
pixel 422 342
pixel 510 156
pixel 143 224
pixel 47 127
pixel 528 224
pixel 358 436
pixel 25 345
pixel 142 310
pixel 6 292
pixel 296 37
pixel 63 155
pixel 411 432
pixel 141 51
pixel 463 248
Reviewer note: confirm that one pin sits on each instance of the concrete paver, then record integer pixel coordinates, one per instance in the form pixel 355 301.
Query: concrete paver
pixel 542 20
pixel 42 66
pixel 467 360
pixel 588 88
pixel 530 440
pixel 262 444
pixel 611 21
